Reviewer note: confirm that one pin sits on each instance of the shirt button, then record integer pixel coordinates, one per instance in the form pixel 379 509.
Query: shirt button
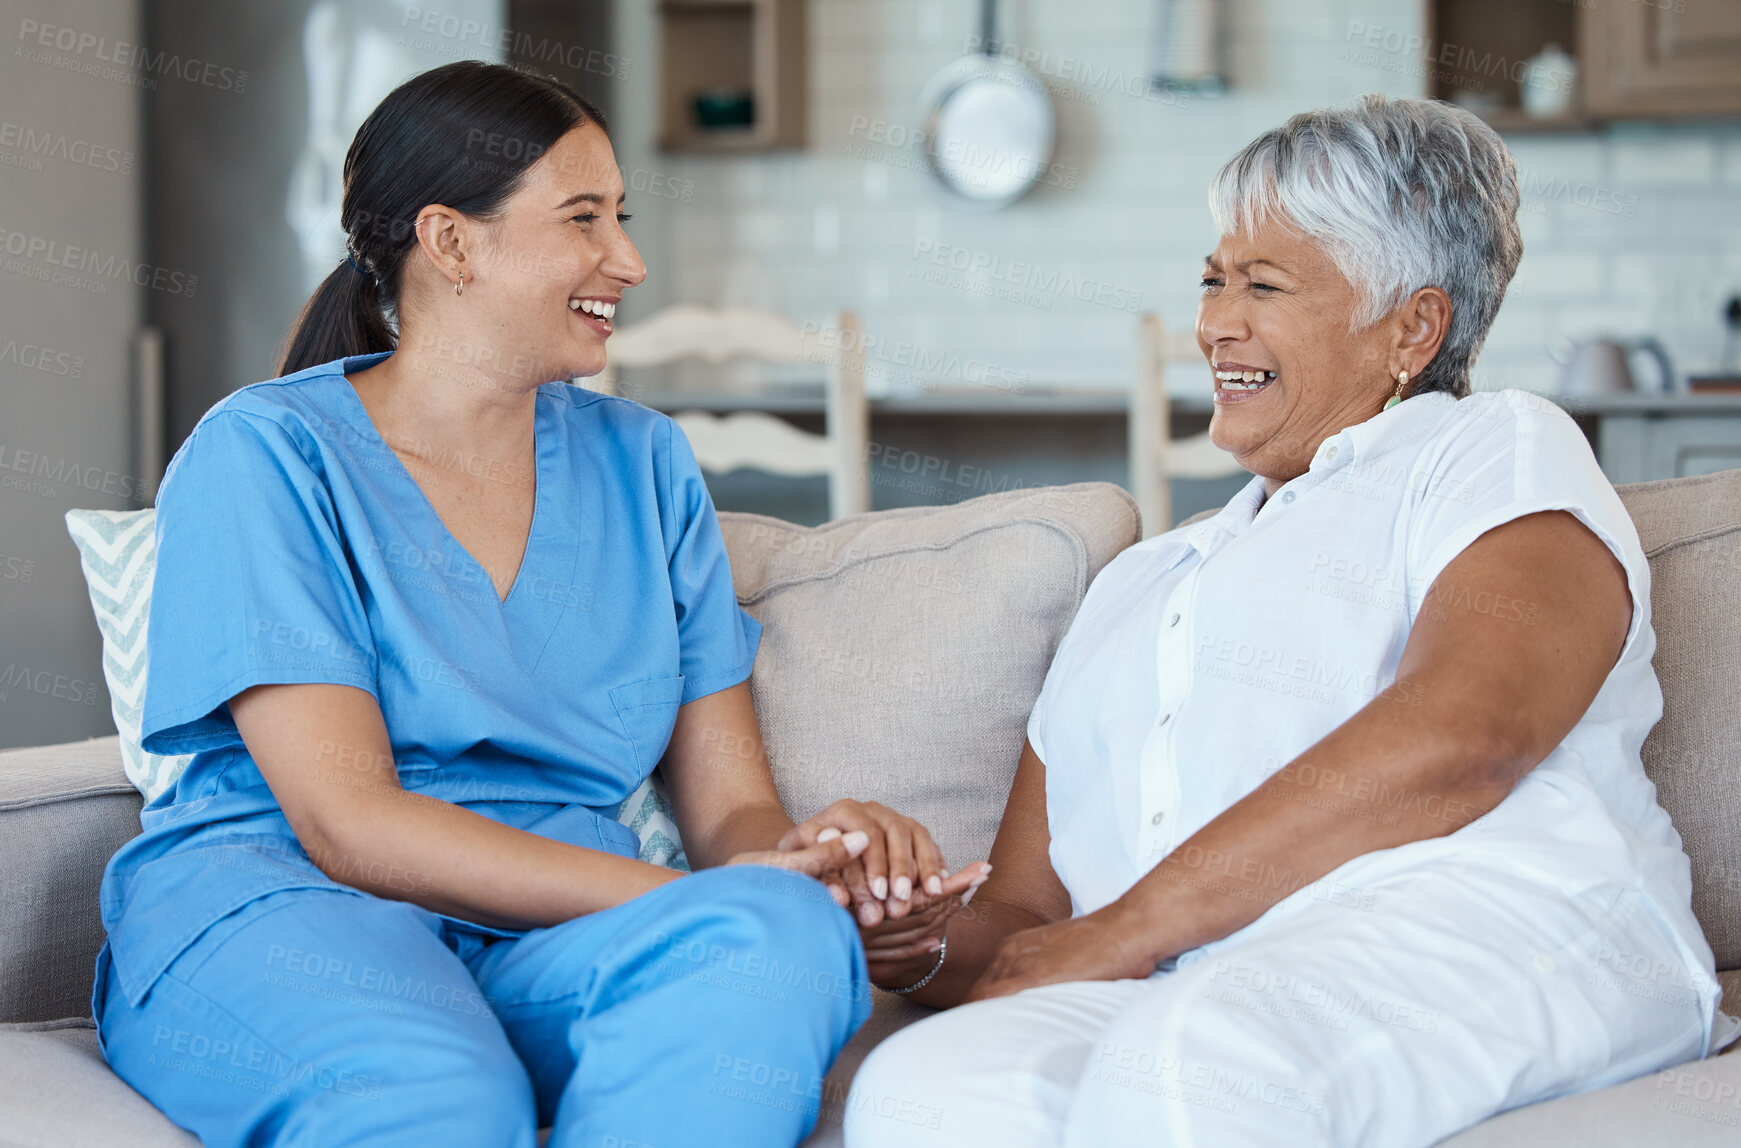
pixel 1287 496
pixel 1173 621
pixel 1157 818
pixel 1331 453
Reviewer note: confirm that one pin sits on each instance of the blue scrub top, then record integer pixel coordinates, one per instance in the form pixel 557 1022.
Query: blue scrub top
pixel 294 546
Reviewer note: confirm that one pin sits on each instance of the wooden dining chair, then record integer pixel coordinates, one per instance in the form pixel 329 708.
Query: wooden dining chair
pixel 1156 456
pixel 757 439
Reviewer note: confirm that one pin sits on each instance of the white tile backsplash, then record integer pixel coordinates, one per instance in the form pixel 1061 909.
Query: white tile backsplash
pixel 1730 163
pixel 1630 230
pixel 1682 161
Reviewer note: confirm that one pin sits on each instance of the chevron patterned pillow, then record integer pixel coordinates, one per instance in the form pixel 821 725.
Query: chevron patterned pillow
pixel 118 551
pixel 648 812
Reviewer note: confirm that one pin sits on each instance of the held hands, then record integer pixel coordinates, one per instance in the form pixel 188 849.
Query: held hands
pixel 898 888
pixel 820 859
pixel 900 861
pixel 901 950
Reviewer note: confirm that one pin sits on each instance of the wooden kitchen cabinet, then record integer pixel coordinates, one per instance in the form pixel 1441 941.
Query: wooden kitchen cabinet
pixel 1661 58
pixel 1637 59
pixel 753 49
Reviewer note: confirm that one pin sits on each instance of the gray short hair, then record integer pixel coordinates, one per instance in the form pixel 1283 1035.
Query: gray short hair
pixel 1403 194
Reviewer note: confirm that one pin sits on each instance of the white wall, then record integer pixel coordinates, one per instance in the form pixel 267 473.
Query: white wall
pixel 811 231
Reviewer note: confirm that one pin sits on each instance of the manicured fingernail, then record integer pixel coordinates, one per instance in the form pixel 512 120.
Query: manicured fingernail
pixel 867 914
pixel 979 880
pixel 934 885
pixel 828 834
pixel 840 895
pixel 880 888
pixel 903 888
pixel 945 873
pixel 933 946
pixel 971 890
pixel 855 842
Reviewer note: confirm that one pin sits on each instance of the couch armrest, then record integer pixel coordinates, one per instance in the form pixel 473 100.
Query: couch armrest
pixel 64 810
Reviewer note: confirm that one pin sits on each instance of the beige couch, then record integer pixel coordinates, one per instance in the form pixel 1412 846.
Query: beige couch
pixel 901 654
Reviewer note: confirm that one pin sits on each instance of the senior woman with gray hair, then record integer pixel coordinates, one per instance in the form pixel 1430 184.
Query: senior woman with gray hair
pixel 1331 827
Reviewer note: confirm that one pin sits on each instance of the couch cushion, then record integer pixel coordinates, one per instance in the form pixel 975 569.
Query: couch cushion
pixel 1696 1105
pixel 64 810
pixel 57 1092
pixel 902 650
pixel 1691 531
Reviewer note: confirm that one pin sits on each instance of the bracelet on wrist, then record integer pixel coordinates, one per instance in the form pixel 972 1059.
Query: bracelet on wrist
pixel 942 951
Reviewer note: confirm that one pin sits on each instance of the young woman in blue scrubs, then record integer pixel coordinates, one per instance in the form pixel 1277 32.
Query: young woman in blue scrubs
pixel 425 619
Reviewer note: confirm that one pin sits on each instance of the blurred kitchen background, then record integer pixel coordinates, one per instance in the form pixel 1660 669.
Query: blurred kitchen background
pixel 169 192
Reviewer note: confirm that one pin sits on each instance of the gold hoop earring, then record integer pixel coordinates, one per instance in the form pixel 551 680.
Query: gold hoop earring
pixel 459 288
pixel 1402 380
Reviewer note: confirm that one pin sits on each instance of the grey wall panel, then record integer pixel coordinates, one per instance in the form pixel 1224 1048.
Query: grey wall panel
pixel 70 260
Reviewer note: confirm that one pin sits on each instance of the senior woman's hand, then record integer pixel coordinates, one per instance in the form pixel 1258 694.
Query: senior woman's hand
pixel 900 950
pixel 1101 946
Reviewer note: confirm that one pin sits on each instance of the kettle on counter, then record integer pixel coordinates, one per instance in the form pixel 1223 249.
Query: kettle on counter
pixel 1603 367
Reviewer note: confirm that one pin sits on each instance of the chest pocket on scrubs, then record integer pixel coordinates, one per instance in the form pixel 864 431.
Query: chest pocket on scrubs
pixel 647 711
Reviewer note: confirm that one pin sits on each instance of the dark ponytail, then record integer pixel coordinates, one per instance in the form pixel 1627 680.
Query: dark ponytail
pixel 461 134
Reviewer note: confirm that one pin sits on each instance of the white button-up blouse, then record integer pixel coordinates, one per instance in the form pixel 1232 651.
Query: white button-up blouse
pixel 1207 658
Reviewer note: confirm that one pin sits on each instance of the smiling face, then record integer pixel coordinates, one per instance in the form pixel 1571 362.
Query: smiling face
pixel 1274 324
pixel 542 278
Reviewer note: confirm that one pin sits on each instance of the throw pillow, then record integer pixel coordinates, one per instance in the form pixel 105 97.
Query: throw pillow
pixel 118 551
pixel 902 650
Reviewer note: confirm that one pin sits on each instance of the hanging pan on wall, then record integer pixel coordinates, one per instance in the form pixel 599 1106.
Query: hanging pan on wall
pixel 988 124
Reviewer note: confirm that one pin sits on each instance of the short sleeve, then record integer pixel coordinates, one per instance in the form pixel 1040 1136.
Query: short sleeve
pixel 1108 592
pixel 253 584
pixel 1037 720
pixel 717 637
pixel 1056 673
pixel 1512 455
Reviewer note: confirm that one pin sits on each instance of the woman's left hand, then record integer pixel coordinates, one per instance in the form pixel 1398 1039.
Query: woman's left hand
pixel 900 859
pixel 1097 947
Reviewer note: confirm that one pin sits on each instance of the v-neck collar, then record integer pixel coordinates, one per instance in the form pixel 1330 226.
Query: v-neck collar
pixel 542 444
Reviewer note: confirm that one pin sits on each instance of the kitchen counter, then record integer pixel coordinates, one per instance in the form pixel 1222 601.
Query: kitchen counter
pixel 808 401
pixel 938 447
pixel 1056 434
pixel 1092 402
pixel 1641 438
pixel 1708 403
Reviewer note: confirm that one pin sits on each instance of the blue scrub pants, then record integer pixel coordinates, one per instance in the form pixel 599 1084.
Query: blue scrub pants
pixel 702 1013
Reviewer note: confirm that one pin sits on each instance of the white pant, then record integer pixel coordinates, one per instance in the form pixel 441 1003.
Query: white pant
pixel 1429 1001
